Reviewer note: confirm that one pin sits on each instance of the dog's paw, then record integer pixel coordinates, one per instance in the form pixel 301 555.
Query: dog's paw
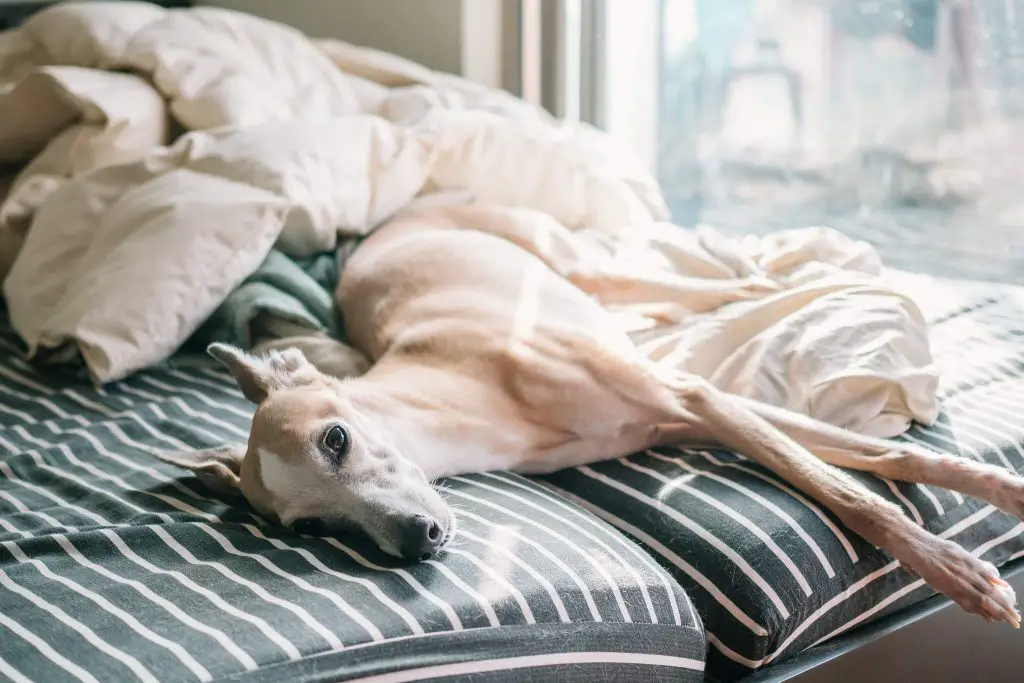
pixel 971 583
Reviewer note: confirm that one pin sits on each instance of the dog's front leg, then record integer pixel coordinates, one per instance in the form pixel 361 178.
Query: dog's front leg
pixel 972 583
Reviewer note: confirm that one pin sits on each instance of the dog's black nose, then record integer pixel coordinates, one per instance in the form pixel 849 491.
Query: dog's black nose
pixel 421 537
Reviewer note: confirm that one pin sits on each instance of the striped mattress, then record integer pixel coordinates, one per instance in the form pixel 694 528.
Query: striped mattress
pixel 116 567
pixel 773 574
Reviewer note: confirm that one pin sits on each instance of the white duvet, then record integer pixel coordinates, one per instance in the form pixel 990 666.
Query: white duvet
pixel 161 154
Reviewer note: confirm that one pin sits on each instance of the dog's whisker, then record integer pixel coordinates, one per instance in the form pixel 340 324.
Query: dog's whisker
pixel 458 509
pixel 454 543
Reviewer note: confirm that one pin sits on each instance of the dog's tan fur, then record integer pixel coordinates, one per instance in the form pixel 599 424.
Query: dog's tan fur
pixel 485 358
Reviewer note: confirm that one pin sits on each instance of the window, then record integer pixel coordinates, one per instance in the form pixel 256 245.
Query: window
pixel 896 121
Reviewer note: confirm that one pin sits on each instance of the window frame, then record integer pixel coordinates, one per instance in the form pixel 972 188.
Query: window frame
pixel 578 60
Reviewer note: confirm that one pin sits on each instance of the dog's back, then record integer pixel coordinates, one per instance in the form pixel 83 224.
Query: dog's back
pixel 443 281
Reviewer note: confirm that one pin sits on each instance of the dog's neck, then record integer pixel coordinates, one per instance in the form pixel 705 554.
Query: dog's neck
pixel 441 438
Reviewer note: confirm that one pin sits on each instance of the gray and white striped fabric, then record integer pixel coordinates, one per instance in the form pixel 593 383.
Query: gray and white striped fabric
pixel 116 567
pixel 770 572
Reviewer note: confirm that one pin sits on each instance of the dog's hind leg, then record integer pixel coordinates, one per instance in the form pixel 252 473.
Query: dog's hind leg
pixel 899 460
pixel 970 582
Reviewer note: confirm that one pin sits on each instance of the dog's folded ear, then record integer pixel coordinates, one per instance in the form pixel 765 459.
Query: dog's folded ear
pixel 257 376
pixel 218 468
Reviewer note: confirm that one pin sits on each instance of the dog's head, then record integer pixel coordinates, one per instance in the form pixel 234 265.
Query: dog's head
pixel 315 460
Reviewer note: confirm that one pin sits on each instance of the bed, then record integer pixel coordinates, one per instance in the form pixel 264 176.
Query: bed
pixel 114 566
pixel 669 565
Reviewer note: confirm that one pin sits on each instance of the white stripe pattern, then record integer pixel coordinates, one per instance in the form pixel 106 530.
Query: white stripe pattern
pixel 12 674
pixel 741 563
pixel 77 461
pixel 565 659
pixel 812 545
pixel 577 512
pixel 46 650
pixel 133 664
pixel 677 484
pixel 187 659
pixel 132 514
pixel 586 556
pixel 222 638
pixel 575 527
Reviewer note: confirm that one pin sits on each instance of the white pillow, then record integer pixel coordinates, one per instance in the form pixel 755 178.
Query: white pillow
pixel 92 277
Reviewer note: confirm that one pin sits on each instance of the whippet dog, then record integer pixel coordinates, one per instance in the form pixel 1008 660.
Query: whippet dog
pixel 485 358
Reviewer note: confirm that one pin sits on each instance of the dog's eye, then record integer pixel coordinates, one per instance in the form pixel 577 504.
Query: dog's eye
pixel 336 440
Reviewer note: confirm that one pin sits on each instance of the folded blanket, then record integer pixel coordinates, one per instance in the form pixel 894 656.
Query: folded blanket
pixel 296 291
pixel 180 166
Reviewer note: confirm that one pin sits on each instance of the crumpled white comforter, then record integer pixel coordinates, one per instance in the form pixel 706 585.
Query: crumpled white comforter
pixel 121 233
